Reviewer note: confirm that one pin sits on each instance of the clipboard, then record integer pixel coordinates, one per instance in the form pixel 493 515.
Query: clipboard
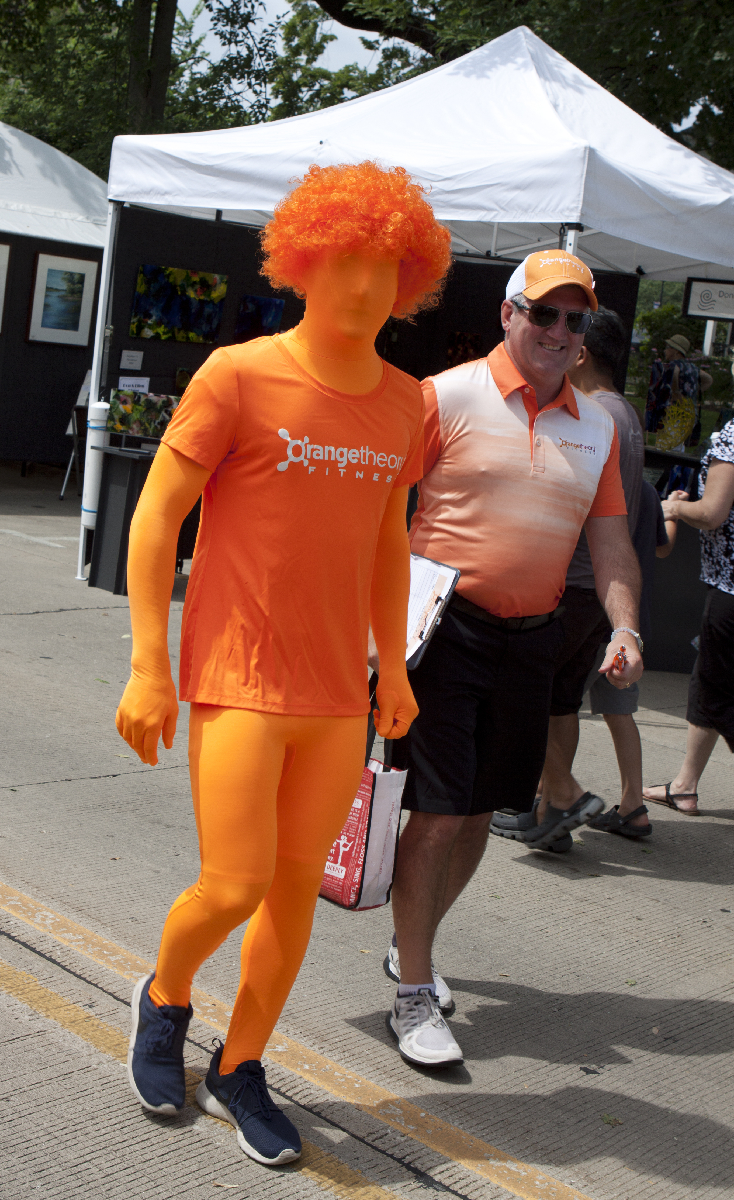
pixel 431 587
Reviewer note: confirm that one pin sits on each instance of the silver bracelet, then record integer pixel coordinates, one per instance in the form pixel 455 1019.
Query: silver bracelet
pixel 626 629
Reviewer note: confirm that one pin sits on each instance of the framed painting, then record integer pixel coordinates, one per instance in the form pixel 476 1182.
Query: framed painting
pixel 258 316
pixel 4 260
pixel 175 304
pixel 63 300
pixel 140 413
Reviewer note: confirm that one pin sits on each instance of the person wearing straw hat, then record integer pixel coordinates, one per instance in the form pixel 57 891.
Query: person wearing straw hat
pixel 675 385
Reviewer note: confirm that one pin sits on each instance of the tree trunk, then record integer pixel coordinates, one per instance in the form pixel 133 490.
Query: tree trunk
pixel 137 87
pixel 150 64
pixel 160 61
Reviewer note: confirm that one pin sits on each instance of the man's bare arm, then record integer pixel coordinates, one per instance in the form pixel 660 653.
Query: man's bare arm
pixel 618 582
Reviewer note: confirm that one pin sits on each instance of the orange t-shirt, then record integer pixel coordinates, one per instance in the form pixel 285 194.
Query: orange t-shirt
pixel 277 607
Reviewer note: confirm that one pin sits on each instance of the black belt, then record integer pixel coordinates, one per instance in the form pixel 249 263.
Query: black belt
pixel 514 624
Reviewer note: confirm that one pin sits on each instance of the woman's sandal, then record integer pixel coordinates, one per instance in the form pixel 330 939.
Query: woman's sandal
pixel 611 822
pixel 670 800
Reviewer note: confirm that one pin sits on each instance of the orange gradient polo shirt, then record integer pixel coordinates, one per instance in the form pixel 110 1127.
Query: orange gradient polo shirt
pixel 277 605
pixel 506 486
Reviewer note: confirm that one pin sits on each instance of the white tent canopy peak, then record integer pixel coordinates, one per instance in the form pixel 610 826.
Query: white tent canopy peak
pixel 510 135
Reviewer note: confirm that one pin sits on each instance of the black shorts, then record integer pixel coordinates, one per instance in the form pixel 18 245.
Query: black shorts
pixel 585 626
pixel 479 740
pixel 711 689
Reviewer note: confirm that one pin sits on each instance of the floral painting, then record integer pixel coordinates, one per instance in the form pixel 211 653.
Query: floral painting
pixel 174 304
pixel 140 413
pixel 258 317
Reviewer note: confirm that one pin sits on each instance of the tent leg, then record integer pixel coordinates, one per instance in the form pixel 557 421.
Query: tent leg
pixel 93 467
pixel 80 560
pixel 569 235
pixel 708 337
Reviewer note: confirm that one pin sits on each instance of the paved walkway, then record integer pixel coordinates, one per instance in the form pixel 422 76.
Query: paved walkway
pixel 593 989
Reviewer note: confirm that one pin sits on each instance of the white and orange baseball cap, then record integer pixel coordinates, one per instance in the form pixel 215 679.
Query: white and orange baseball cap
pixel 545 270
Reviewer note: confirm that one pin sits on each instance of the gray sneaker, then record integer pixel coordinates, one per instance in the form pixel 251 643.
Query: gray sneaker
pixel 423 1036
pixel 391 967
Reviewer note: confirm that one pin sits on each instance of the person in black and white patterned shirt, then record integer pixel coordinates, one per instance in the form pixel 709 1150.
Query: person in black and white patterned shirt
pixel 711 690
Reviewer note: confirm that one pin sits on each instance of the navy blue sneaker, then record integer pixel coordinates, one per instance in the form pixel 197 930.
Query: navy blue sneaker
pixel 242 1098
pixel 155 1064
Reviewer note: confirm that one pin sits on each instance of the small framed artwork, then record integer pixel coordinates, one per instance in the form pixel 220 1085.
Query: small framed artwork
pixel 63 299
pixel 258 316
pixel 4 260
pixel 176 304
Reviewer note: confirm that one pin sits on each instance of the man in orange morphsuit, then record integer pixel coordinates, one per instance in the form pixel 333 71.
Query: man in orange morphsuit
pixel 304 447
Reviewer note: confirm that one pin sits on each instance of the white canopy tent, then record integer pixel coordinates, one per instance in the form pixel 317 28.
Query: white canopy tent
pixel 512 141
pixel 46 194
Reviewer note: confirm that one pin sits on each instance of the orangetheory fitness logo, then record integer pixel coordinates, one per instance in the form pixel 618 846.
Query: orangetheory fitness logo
pixel 572 446
pixel 308 453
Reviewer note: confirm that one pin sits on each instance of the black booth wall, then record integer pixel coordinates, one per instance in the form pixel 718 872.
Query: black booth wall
pixel 146 236
pixel 470 305
pixel 39 381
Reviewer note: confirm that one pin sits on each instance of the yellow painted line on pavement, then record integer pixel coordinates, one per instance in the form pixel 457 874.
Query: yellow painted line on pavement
pixel 476 1155
pixel 325 1169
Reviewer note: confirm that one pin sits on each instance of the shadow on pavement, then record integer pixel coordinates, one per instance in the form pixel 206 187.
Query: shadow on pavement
pixel 683 849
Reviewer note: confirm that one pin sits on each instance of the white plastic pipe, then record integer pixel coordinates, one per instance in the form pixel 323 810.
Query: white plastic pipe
pixel 97 436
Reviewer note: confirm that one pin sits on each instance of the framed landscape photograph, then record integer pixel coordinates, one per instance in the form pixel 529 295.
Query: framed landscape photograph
pixel 175 304
pixel 63 298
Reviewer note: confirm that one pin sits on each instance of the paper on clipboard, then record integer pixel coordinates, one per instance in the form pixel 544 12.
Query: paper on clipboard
pixel 431 585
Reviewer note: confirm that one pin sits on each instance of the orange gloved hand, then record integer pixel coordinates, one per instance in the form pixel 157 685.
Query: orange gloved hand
pixel 396 709
pixel 149 708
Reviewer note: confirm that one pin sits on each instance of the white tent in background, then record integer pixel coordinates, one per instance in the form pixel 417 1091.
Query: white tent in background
pixel 46 194
pixel 512 139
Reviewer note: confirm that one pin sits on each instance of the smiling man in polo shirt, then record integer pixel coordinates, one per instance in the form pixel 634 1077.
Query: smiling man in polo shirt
pixel 516 462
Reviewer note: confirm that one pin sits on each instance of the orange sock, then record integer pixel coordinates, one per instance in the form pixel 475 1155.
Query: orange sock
pixel 271 793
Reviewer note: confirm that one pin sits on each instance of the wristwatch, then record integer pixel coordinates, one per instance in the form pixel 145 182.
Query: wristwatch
pixel 636 636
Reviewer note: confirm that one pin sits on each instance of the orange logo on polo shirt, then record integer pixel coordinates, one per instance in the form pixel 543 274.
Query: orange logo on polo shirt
pixel 565 445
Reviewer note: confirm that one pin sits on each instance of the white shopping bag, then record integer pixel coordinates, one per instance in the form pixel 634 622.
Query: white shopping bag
pixel 361 862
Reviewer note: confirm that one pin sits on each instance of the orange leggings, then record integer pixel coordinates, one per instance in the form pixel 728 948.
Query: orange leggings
pixel 271 794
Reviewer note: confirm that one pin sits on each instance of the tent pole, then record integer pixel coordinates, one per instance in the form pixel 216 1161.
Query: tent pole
pixel 494 238
pixel 708 337
pixel 95 435
pixel 570 233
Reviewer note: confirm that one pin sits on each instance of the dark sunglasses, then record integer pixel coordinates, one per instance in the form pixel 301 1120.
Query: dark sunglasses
pixel 545 315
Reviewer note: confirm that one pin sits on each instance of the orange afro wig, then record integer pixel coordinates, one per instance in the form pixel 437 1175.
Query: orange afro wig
pixel 361 207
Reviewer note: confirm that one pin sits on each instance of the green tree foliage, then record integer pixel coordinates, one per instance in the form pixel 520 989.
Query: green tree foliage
pixel 77 72
pixel 664 59
pixel 298 84
pixel 658 324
